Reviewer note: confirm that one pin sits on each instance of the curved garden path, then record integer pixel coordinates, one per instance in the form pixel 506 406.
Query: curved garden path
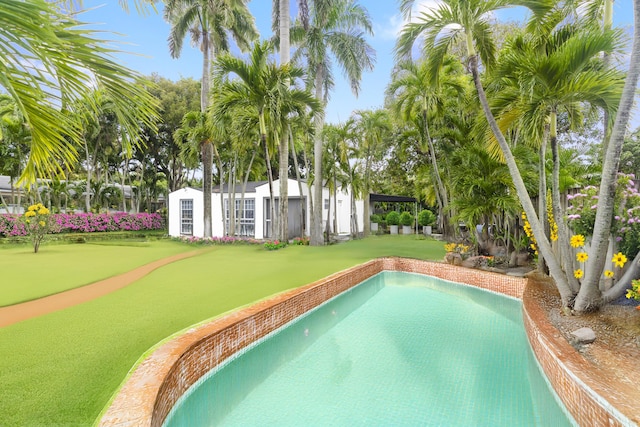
pixel 27 310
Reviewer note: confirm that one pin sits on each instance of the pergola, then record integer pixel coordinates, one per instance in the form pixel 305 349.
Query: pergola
pixel 379 198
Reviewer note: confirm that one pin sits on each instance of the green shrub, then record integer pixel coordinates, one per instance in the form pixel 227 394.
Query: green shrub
pixel 426 217
pixel 376 218
pixel 406 219
pixel 393 218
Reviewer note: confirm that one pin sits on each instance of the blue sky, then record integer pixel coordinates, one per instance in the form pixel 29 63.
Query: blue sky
pixel 146 38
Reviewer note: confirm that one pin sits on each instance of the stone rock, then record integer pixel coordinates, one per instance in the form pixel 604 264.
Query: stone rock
pixel 584 335
pixel 453 258
pixel 475 262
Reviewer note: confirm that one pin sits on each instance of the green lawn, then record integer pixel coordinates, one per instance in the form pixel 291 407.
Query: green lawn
pixel 62 368
pixel 57 268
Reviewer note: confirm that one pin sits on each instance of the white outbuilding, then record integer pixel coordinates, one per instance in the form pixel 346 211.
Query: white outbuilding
pixel 253 213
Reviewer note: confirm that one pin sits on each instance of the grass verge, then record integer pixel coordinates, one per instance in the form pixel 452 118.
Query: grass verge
pixel 56 268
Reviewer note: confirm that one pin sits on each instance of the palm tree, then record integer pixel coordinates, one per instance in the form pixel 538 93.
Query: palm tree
pixel 264 88
pixel 562 73
pixel 197 131
pixel 283 208
pixel 470 19
pixel 46 43
pixel 589 290
pixel 336 158
pixel 335 28
pixel 209 23
pixel 373 128
pixel 416 97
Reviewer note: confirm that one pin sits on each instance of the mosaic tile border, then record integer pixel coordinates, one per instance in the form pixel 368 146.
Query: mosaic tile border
pixel 157 383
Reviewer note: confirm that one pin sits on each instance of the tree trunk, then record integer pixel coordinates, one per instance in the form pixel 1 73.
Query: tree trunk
pixel 221 181
pixel 316 232
pixel 283 207
pixel 442 199
pixel 295 165
pixel 589 295
pixel 270 177
pixel 244 188
pixel 566 254
pixel 207 173
pixel 87 196
pixel 310 189
pixel 607 22
pixel 542 191
pixel 335 204
pixel 124 198
pixel 544 246
pixel 354 215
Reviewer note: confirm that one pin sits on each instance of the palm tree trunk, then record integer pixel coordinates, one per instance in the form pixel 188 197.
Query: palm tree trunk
pixel 316 232
pixel 295 165
pixel 354 215
pixel 270 177
pixel 566 257
pixel 283 207
pixel 542 191
pixel 124 168
pixel 221 180
pixel 244 186
pixel 87 199
pixel 312 218
pixel 207 162
pixel 607 22
pixel 544 246
pixel 442 198
pixel 589 295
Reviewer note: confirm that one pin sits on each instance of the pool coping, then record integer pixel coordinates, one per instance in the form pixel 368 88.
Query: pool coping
pixel 150 392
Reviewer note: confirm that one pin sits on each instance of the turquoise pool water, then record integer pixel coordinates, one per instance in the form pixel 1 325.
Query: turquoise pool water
pixel 397 350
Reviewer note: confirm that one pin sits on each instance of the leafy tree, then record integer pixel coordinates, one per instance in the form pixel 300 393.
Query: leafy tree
pixel 264 88
pixel 45 42
pixel 334 31
pixel 209 24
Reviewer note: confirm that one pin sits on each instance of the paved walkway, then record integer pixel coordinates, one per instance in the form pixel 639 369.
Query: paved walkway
pixel 27 310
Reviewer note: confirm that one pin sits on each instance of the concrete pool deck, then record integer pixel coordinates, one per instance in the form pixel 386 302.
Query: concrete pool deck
pixel 156 384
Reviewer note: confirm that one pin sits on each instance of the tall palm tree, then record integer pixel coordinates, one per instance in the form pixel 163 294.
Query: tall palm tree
pixel 284 22
pixel 209 23
pixel 50 60
pixel 416 97
pixel 197 131
pixel 335 31
pixel 337 139
pixel 373 127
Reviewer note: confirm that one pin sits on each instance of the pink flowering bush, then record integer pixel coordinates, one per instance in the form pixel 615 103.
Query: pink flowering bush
pixel 581 214
pixel 11 226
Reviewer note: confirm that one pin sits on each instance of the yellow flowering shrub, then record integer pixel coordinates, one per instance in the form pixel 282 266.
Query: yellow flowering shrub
pixel 529 232
pixel 634 292
pixel 39 227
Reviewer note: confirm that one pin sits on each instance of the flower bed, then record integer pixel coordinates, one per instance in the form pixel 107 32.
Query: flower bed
pixel 11 226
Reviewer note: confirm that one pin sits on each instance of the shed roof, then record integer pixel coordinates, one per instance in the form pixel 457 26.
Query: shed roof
pixel 389 198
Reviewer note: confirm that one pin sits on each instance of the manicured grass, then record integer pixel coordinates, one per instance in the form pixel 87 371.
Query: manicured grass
pixel 62 368
pixel 59 267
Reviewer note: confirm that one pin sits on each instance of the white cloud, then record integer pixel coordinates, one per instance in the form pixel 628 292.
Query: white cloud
pixel 391 29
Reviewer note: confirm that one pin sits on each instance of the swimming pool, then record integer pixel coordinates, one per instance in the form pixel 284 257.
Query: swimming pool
pixel 398 349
